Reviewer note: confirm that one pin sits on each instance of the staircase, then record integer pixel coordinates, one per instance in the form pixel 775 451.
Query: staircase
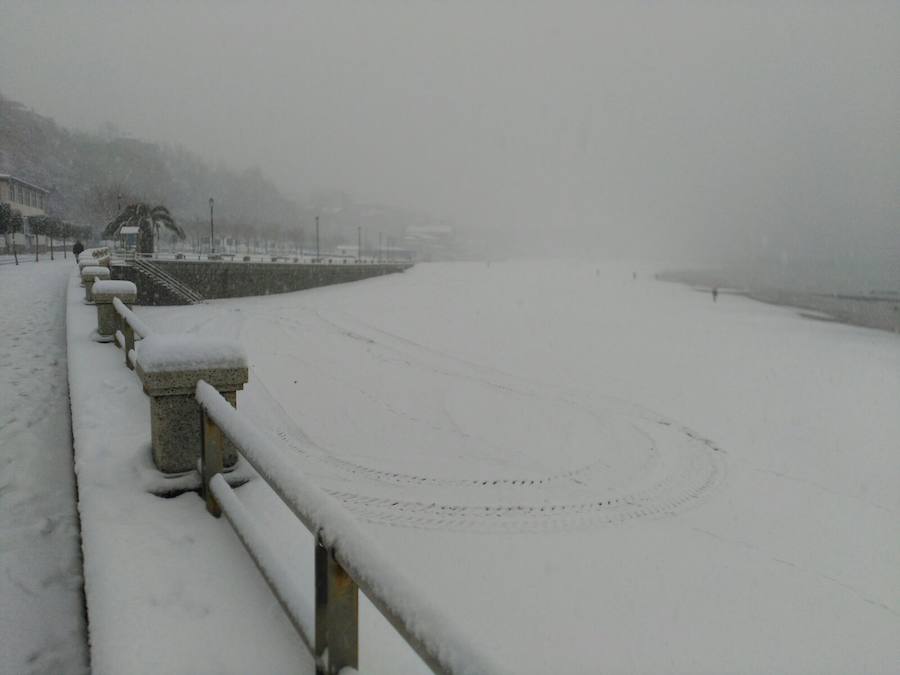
pixel 167 281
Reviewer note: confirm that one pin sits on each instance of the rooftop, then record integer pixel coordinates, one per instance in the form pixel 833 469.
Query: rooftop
pixel 8 177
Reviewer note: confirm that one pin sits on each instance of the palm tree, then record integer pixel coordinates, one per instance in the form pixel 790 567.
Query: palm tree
pixel 147 219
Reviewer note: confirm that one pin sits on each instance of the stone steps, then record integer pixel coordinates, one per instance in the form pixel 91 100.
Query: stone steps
pixel 177 288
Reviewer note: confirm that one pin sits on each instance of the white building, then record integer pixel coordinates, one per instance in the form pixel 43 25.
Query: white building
pixel 27 198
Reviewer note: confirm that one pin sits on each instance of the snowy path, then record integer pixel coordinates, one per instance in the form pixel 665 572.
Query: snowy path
pixel 41 607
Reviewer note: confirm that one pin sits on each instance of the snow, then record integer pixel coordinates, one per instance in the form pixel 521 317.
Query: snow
pixel 298 605
pixel 577 471
pixel 160 352
pixel 41 610
pixel 90 253
pixel 114 287
pixel 138 326
pixel 376 572
pixel 95 271
pixel 169 588
pixel 584 471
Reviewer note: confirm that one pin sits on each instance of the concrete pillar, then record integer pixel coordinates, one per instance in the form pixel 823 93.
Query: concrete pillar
pixel 88 274
pixel 96 257
pixel 170 367
pixel 103 293
pixel 85 261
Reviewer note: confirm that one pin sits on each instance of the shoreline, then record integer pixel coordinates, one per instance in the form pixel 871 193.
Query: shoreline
pixel 881 312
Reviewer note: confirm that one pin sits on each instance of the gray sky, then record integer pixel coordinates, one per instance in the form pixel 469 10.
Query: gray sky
pixel 657 128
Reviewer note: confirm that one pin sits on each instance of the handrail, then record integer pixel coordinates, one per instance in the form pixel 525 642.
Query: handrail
pixel 139 327
pixel 162 276
pixel 342 545
pixel 128 325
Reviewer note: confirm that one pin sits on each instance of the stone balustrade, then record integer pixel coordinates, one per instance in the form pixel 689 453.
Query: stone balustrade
pixel 169 367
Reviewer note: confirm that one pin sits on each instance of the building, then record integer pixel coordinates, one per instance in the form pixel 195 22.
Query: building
pixel 128 237
pixel 27 198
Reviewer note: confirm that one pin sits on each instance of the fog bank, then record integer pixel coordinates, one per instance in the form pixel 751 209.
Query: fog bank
pixel 692 131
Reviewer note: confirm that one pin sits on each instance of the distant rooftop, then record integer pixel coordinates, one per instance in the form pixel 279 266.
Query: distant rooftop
pixel 8 177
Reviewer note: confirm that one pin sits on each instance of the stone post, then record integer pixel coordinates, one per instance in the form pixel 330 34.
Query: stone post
pixel 170 367
pixel 88 274
pixel 104 292
pixel 85 260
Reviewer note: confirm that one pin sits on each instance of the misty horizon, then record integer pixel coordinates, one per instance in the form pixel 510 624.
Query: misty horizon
pixel 763 136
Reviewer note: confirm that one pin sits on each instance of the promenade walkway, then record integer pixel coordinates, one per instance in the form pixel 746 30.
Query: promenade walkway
pixel 42 627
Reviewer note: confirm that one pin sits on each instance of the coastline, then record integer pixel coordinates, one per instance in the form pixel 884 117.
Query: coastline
pixel 878 311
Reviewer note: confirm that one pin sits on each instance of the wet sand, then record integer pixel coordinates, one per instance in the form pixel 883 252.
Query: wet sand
pixel 880 311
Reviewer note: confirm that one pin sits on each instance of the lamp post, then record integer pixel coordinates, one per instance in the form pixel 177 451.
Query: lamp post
pixel 358 242
pixel 212 248
pixel 317 238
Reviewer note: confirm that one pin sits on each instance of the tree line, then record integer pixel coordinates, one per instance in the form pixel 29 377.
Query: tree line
pixel 51 227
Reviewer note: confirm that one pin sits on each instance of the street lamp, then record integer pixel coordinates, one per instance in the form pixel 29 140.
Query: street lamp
pixel 317 238
pixel 212 248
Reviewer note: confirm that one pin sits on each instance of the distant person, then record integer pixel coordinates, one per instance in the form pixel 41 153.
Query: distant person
pixel 634 276
pixel 77 248
pixel 715 292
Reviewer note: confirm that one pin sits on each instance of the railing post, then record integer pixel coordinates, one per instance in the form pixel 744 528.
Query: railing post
pixel 118 321
pixel 337 615
pixel 211 459
pixel 128 332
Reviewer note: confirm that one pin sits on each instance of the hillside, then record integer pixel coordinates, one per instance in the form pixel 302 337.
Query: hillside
pixel 87 172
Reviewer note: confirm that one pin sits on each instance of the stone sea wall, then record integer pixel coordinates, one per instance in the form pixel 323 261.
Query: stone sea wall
pixel 225 279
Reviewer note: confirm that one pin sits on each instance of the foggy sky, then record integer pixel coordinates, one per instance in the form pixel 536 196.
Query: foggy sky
pixel 701 129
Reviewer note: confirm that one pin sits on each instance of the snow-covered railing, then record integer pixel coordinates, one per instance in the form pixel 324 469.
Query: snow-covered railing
pixel 129 255
pixel 347 559
pixel 128 325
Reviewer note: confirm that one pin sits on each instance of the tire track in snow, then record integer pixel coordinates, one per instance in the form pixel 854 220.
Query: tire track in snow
pixel 683 465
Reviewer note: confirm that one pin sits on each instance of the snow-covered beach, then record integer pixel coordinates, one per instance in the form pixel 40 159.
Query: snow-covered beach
pixel 584 471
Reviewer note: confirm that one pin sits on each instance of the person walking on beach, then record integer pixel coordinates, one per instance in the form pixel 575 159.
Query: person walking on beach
pixel 715 293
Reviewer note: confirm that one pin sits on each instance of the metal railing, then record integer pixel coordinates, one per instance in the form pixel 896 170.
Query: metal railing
pixel 282 257
pixel 128 327
pixel 162 277
pixel 347 560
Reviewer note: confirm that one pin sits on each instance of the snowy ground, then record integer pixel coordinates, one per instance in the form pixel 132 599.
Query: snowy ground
pixel 586 472
pixel 41 608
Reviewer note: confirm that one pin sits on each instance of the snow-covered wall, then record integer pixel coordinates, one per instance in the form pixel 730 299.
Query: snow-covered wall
pixel 221 279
